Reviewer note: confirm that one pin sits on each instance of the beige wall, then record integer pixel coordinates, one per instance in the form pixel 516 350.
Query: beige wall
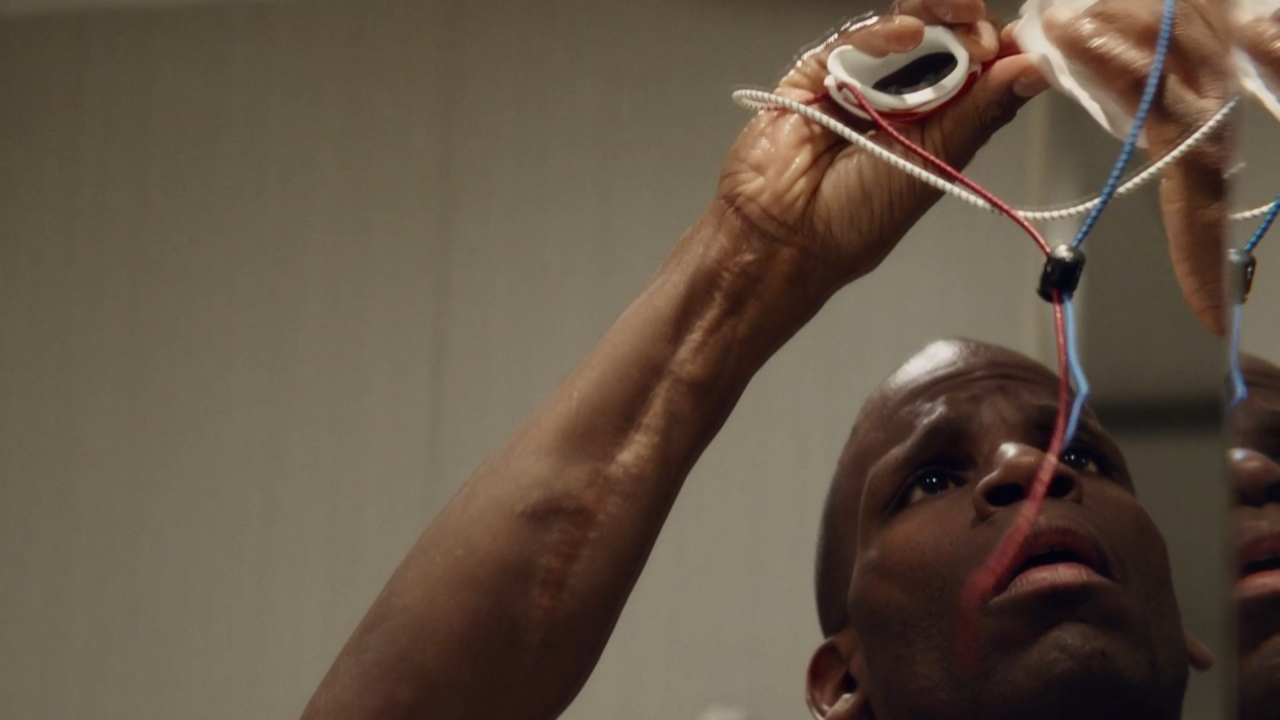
pixel 274 280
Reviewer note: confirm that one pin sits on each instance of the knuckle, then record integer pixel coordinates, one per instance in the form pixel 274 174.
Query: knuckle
pixel 1077 36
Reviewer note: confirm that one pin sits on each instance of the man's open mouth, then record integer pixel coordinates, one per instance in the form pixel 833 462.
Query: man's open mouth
pixel 1259 563
pixel 1057 557
pixel 1270 562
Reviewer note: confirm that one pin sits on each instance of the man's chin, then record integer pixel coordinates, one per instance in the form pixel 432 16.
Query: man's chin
pixel 1259 623
pixel 1060 624
pixel 1260 680
pixel 1076 669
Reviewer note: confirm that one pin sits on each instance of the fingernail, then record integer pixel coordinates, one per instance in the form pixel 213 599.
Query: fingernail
pixel 1007 40
pixel 1030 83
pixel 987 36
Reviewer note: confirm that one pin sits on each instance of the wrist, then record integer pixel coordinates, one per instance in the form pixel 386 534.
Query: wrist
pixel 788 281
pixel 743 294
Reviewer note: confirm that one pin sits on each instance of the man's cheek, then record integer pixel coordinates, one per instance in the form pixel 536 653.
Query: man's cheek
pixel 1149 553
pixel 914 561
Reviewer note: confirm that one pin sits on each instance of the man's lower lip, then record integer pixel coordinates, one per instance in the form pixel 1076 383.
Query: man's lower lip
pixel 1053 577
pixel 1258 585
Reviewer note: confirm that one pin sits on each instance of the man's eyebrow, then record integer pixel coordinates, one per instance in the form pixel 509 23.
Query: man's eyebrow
pixel 931 435
pixel 1045 421
pixel 1044 417
pixel 1090 433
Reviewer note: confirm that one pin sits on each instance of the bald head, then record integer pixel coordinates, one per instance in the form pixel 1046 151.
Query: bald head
pixel 940 363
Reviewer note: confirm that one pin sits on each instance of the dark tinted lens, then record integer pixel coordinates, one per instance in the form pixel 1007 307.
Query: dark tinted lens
pixel 923 72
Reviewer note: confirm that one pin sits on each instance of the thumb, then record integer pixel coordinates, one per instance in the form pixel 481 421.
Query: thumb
pixel 992 102
pixel 1198 654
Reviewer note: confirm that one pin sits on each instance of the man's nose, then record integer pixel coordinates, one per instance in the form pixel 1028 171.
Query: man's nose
pixel 1010 482
pixel 1257 477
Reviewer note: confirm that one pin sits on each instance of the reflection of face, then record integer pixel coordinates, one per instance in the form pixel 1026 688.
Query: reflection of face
pixel 939 461
pixel 1255 465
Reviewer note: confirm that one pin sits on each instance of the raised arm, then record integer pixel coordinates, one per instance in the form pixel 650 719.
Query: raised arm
pixel 503 606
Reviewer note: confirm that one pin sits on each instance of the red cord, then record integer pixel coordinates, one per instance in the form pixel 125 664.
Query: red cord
pixel 816 98
pixel 999 564
pixel 954 175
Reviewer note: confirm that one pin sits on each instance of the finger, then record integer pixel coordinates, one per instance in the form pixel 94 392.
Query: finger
pixel 1024 78
pixel 1123 67
pixel 943 12
pixel 904 33
pixel 888 35
pixel 1030 82
pixel 1009 39
pixel 961 129
pixel 1197 54
pixel 1260 39
pixel 877 37
pixel 1201 36
pixel 806 82
pixel 1198 653
pixel 1195 221
pixel 980 40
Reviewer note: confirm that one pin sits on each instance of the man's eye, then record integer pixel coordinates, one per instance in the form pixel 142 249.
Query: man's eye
pixel 930 483
pixel 1080 461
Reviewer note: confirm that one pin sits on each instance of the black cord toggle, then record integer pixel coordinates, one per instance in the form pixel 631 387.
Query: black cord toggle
pixel 1062 271
pixel 1243 266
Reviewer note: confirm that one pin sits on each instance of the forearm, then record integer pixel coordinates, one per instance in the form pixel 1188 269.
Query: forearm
pixel 503 606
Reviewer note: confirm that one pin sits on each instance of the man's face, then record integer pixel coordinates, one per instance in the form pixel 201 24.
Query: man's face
pixel 1087 626
pixel 1256 518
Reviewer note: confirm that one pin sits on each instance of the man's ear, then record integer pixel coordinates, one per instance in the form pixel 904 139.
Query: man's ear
pixel 1198 653
pixel 831 688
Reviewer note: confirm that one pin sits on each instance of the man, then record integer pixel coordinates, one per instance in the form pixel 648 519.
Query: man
pixel 1255 463
pixel 503 606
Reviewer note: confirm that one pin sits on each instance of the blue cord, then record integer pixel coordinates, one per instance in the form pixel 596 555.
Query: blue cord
pixel 1265 226
pixel 1140 119
pixel 1238 390
pixel 1078 377
pixel 1077 372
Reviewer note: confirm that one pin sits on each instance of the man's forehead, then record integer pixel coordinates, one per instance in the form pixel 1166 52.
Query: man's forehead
pixel 925 387
pixel 952 367
pixel 969 403
pixel 936 359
